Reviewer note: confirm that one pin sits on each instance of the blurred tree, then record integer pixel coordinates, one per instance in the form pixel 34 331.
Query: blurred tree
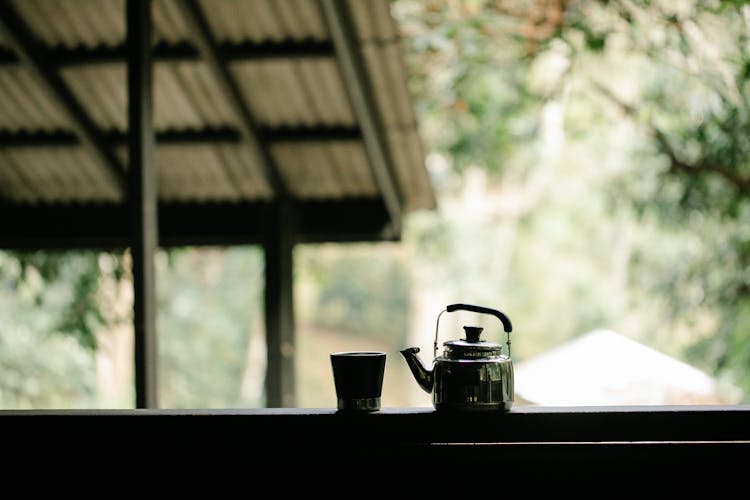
pixel 359 289
pixel 52 313
pixel 210 324
pixel 592 163
pixel 692 106
pixel 61 311
pixel 633 114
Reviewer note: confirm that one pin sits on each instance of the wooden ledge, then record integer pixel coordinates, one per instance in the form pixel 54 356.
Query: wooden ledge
pixel 629 445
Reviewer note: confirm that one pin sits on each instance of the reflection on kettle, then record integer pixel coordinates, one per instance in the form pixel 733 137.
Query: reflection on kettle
pixel 472 374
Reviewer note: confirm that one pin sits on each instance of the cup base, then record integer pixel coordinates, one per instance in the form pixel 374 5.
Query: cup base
pixel 359 404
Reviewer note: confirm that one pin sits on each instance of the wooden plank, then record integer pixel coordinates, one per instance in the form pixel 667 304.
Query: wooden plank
pixel 142 199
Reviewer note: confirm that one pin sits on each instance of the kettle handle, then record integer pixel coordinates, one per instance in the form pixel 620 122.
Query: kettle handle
pixel 483 310
pixel 507 326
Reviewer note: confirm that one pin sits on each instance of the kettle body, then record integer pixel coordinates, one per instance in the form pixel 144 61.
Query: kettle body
pixel 471 374
pixel 473 384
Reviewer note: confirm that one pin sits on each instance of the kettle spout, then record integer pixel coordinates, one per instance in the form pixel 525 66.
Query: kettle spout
pixel 425 377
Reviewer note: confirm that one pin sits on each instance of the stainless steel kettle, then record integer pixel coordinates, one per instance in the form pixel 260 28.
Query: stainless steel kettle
pixel 472 374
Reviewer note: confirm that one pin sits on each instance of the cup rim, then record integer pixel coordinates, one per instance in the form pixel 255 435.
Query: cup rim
pixel 358 353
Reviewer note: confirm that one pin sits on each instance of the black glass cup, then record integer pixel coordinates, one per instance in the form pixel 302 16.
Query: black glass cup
pixel 358 376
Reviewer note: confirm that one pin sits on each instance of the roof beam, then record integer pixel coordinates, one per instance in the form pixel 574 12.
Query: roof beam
pixel 33 55
pixel 341 25
pixel 213 135
pixel 105 226
pixel 209 50
pixel 184 52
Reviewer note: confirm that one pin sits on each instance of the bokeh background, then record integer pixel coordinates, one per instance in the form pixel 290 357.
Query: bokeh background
pixel 592 167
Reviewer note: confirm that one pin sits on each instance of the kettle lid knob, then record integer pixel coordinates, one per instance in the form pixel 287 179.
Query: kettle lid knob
pixel 472 333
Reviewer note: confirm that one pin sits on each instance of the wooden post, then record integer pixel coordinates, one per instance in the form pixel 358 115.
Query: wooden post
pixel 279 305
pixel 142 199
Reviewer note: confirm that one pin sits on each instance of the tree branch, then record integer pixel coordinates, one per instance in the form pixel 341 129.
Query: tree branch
pixel 676 164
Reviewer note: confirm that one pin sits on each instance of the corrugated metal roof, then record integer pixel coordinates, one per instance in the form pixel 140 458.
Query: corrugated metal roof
pixel 288 93
pixel 282 59
pixel 26 106
pixel 54 174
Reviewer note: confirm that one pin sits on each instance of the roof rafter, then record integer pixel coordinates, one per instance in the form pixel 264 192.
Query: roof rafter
pixel 341 25
pixel 211 135
pixel 208 48
pixel 35 58
pixel 183 52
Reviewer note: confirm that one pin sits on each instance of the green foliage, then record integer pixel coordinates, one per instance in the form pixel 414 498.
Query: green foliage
pixel 481 102
pixel 54 269
pixel 50 308
pixel 363 291
pixel 45 274
pixel 209 304
pixel 729 348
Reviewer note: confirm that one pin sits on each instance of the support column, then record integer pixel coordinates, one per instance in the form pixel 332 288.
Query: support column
pixel 142 199
pixel 279 305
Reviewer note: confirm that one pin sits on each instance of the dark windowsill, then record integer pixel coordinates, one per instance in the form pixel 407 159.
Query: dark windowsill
pixel 423 425
pixel 627 439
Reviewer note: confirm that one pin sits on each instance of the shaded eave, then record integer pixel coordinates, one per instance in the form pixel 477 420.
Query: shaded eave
pixel 217 224
pixel 48 223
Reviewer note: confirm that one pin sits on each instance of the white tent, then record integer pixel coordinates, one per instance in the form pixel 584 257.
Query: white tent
pixel 605 368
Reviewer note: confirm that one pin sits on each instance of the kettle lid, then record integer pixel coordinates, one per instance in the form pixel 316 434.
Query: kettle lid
pixel 471 346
